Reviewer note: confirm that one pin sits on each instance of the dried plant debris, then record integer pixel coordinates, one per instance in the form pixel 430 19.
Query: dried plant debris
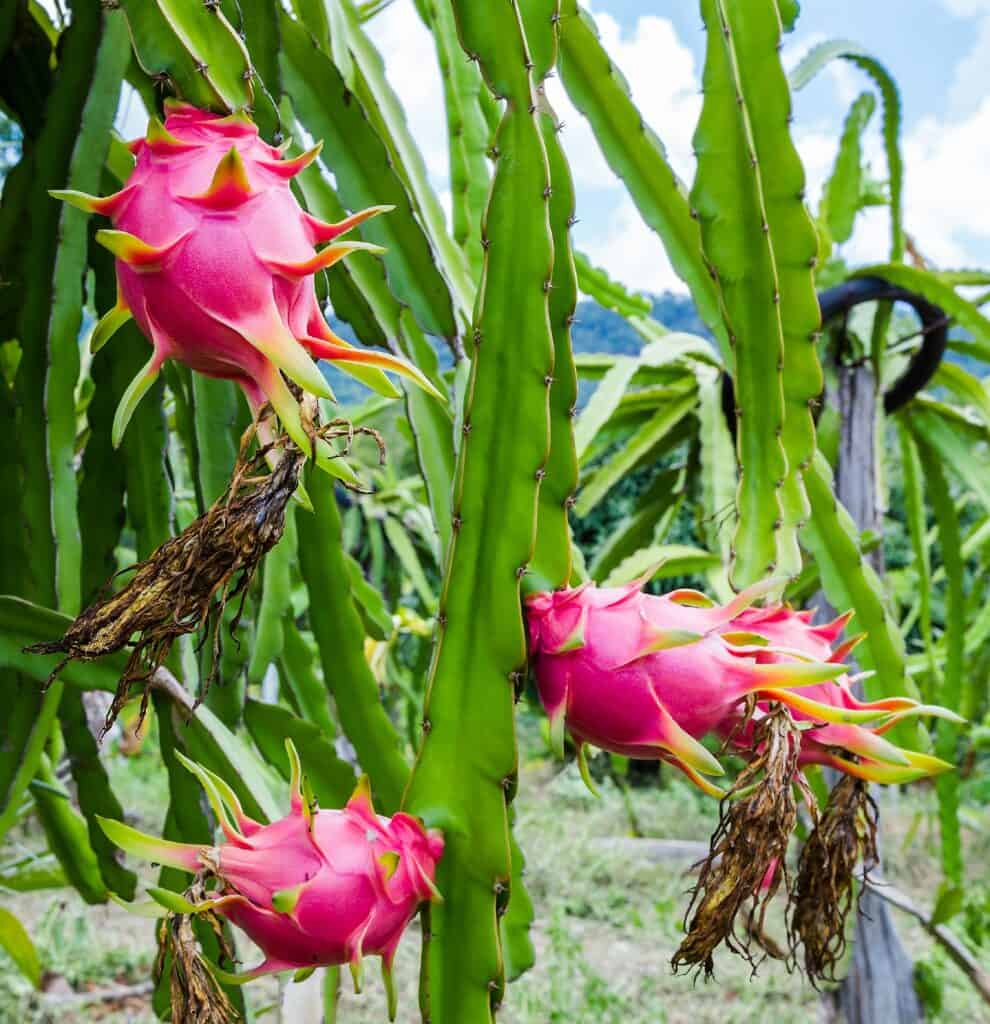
pixel 824 892
pixel 186 584
pixel 194 992
pixel 745 866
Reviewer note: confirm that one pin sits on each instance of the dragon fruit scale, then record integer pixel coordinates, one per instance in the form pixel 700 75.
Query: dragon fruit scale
pixel 215 262
pixel 317 887
pixel 647 676
pixel 856 746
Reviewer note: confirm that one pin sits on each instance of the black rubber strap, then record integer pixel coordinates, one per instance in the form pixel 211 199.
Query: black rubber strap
pixel 838 301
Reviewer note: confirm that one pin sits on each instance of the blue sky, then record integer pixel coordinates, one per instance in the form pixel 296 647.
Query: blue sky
pixel 934 48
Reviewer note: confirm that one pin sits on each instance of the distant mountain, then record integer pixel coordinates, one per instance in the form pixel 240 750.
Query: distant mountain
pixel 597 329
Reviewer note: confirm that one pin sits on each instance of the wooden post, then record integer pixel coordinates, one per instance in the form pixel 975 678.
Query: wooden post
pixel 879 987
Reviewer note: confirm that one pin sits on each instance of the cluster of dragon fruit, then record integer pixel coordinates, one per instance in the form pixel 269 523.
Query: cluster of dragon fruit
pixel 215 262
pixel 649 676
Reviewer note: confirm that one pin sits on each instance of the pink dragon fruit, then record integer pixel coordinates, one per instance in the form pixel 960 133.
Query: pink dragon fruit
pixel 777 632
pixel 215 261
pixel 317 887
pixel 648 676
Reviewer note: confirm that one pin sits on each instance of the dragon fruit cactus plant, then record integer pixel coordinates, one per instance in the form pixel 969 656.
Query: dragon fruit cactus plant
pixel 316 888
pixel 215 262
pixel 647 676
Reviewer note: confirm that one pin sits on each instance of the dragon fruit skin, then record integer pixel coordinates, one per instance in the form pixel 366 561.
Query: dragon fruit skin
pixel 216 261
pixel 647 676
pixel 875 759
pixel 317 887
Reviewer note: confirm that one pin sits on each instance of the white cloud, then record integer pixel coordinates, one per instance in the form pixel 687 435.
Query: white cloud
pixel 631 252
pixel 665 85
pixel 966 8
pixel 944 187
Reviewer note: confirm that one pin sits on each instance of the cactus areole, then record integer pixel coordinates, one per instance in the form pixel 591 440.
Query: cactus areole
pixel 316 888
pixel 216 261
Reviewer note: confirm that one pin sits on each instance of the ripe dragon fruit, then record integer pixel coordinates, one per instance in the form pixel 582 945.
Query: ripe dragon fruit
pixel 317 887
pixel 215 262
pixel 777 632
pixel 648 676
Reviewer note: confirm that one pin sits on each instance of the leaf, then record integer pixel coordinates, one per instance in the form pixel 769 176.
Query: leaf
pixel 431 421
pixel 931 287
pixel 42 271
pixel 950 693
pixel 67 835
pixel 17 944
pixel 360 163
pixel 552 559
pixel 256 22
pixel 186 822
pixel 967 387
pixel 948 903
pixel 718 466
pixel 841 200
pixel 915 513
pixel 337 629
pixel 301 681
pixel 102 82
pixel 217 414
pixel 332 780
pixel 468 133
pixel 369 602
pixel 276 601
pixel 466 764
pixel 761 245
pixel 850 582
pixel 195 47
pixel 385 108
pixel 603 402
pixel 668 559
pixel 23 623
pixel 638 448
pixel 956 451
pixel 647 523
pixel 636 155
pixel 405 550
pixel 213 745
pixel 595 281
pixel 33 873
pixel 843 49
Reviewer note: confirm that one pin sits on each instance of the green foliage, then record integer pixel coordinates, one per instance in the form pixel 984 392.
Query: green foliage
pixel 843 190
pixel 835 49
pixel 481 646
pixel 339 636
pixel 598 90
pixel 16 942
pixel 365 176
pixel 760 243
pixel 392 620
pixel 195 48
